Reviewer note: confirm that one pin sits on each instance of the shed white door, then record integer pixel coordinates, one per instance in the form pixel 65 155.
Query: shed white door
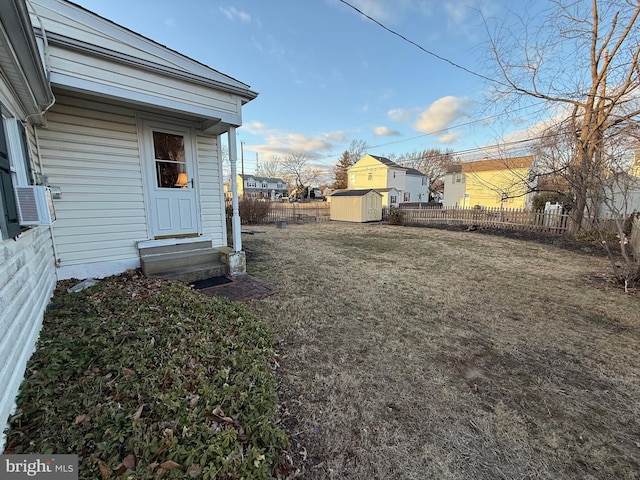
pixel 171 185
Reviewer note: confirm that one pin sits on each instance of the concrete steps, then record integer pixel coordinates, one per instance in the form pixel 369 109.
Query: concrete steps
pixel 185 261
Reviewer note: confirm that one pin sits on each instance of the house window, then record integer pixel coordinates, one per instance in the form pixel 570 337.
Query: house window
pixel 394 174
pixel 14 170
pixel 171 169
pixel 424 180
pixel 393 199
pixel 265 185
pixel 370 176
pixel 280 185
pixel 458 178
pixel 353 178
pixel 407 196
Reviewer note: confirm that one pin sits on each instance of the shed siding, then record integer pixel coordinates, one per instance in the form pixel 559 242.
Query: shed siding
pixel 93 155
pixel 357 208
pixel 210 188
pixel 26 284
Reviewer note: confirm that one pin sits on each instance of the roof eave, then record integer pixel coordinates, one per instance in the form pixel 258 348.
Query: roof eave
pixel 242 90
pixel 27 64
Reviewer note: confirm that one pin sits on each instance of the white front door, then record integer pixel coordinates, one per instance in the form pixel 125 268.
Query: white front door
pixel 171 182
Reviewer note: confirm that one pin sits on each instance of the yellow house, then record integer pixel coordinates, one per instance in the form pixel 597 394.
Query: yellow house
pixel 381 173
pixel 490 183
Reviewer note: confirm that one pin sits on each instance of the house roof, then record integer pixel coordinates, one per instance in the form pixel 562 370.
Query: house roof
pixel 385 190
pixel 391 164
pixel 62 21
pixel 387 162
pixel 262 179
pixel 353 193
pixel 488 165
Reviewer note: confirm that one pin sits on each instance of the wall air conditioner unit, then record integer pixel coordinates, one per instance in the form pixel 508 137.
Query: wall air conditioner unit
pixel 35 205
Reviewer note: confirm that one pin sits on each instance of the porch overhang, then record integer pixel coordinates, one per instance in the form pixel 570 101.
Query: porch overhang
pixel 211 121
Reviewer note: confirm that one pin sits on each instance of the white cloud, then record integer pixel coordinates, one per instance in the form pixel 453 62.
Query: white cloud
pixel 255 128
pixel 236 15
pixel 280 143
pixel 385 132
pixel 448 138
pixel 400 115
pixel 441 113
pixel 170 22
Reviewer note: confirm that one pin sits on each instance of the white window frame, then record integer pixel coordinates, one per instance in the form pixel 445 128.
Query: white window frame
pixel 16 152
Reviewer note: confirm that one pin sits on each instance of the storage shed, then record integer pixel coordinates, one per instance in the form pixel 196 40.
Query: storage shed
pixel 356 206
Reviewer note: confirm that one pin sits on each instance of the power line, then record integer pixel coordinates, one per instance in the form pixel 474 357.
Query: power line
pixel 429 52
pixel 435 132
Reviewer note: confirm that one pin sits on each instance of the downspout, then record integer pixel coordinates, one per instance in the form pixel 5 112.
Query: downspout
pixel 235 219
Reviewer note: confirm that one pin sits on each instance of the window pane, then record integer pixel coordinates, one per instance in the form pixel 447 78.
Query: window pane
pixel 169 160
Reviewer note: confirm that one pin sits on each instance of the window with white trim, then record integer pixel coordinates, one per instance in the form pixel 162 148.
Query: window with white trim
pixel 15 170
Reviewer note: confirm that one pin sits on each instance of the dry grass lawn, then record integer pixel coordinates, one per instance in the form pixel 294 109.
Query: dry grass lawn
pixel 416 353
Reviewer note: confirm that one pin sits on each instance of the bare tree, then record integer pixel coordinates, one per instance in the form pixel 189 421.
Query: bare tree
pixel 298 172
pixel 433 162
pixel 582 61
pixel 271 167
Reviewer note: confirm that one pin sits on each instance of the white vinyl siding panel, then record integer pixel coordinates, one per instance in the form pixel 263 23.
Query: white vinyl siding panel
pixel 92 154
pixel 117 75
pixel 26 284
pixel 62 24
pixel 211 194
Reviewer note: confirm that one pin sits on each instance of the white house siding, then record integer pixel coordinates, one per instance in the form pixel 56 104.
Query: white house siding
pixel 94 71
pixel 418 191
pixel 26 284
pixel 80 24
pixel 211 190
pixel 454 193
pixel 90 150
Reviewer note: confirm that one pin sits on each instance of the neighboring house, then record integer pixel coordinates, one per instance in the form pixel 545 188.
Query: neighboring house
pixel 380 172
pixel 390 196
pixel 620 195
pixel 356 206
pixel 132 142
pixel 253 186
pixel 490 183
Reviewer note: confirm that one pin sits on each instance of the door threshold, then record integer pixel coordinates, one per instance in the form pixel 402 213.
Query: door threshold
pixel 172 241
pixel 180 235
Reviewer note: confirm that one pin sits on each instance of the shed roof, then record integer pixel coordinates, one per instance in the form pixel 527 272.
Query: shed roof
pixel 353 193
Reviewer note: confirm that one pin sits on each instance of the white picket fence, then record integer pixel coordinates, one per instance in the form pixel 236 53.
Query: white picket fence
pixel 513 219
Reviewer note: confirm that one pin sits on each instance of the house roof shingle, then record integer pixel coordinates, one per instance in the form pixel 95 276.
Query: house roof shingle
pixel 492 164
pixel 353 193
pixel 262 179
pixel 391 164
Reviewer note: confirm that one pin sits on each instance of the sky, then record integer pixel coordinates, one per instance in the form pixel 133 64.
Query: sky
pixel 327 75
